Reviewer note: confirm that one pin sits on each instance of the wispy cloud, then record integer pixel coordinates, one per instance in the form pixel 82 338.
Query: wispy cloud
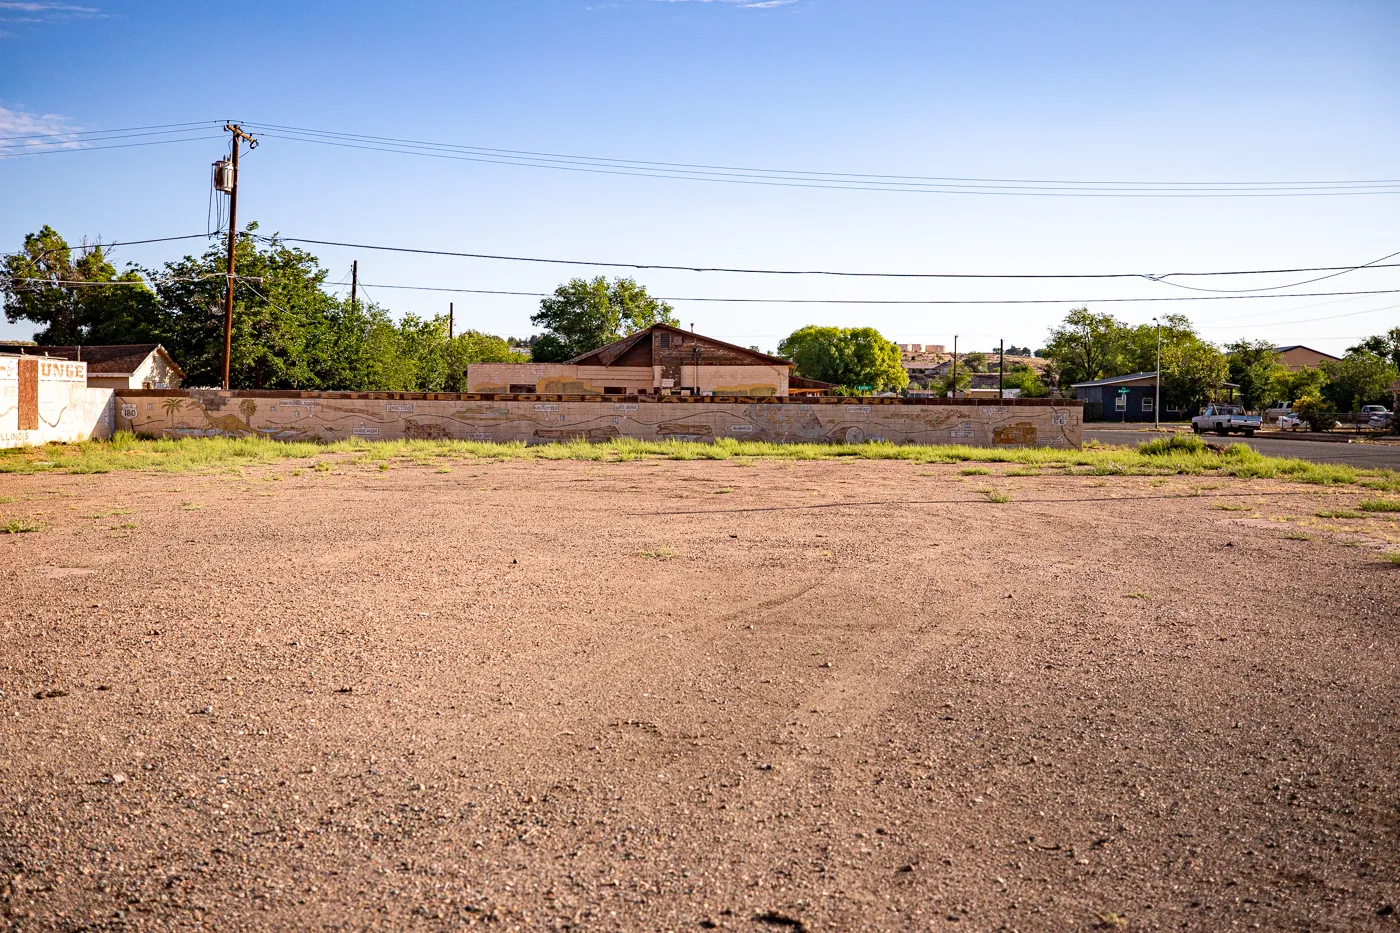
pixel 22 131
pixel 32 6
pixel 38 12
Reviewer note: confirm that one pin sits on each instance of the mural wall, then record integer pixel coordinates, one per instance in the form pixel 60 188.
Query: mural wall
pixel 335 416
pixel 43 400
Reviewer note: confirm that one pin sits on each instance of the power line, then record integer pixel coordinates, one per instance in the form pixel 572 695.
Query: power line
pixel 169 127
pixel 88 246
pixel 903 301
pixel 810 179
pixel 845 274
pixel 57 149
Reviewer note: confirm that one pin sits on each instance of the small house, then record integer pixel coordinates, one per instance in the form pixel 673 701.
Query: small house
pixel 113 366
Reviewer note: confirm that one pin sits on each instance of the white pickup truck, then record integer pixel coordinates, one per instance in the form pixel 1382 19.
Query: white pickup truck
pixel 1225 419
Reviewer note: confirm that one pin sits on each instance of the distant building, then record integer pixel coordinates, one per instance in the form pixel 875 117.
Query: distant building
pixel 1122 398
pixel 661 360
pixel 114 366
pixel 1296 356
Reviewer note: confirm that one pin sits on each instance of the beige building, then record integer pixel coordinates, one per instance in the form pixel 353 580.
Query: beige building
pixel 661 360
pixel 114 366
pixel 1297 356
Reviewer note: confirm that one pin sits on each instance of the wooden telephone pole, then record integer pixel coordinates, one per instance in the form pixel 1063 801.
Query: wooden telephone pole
pixel 238 137
pixel 355 284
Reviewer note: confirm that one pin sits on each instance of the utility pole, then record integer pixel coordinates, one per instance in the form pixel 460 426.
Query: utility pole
pixel 1001 372
pixel 355 284
pixel 1157 399
pixel 238 137
pixel 451 321
pixel 955 366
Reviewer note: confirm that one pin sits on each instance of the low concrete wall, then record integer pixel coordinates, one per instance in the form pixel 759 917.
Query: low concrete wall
pixel 61 407
pixel 328 416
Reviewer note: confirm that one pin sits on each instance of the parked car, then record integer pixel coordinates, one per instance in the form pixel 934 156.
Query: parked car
pixel 1380 416
pixel 1291 421
pixel 1225 419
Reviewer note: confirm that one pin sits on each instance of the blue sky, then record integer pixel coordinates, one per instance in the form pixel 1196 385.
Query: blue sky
pixel 1210 91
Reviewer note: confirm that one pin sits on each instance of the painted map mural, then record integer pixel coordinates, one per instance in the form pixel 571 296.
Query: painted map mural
pixel 536 420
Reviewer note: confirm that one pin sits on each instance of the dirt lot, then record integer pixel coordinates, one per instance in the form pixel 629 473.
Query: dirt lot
pixel 656 695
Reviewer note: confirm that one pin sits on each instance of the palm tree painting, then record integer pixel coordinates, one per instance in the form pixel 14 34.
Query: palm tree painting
pixel 172 408
pixel 249 408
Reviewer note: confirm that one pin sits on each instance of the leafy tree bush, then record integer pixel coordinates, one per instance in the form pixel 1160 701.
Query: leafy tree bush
pixel 288 333
pixel 585 314
pixel 1288 387
pixel 1359 378
pixel 1254 367
pixel 1316 412
pixel 847 356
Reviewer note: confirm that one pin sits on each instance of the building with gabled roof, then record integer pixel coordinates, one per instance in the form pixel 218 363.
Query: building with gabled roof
pixel 113 366
pixel 660 360
pixel 1296 356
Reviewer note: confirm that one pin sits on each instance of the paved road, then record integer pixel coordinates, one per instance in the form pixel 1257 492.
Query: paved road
pixel 1369 456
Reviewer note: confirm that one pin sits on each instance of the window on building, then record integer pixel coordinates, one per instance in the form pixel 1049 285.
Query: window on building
pixel 1120 403
pixel 1147 403
pixel 614 390
pixel 522 389
pixel 664 341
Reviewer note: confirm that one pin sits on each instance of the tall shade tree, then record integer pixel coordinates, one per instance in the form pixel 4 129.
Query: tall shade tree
pixel 1254 367
pixel 855 358
pixel 82 300
pixel 585 314
pixel 1359 378
pixel 1290 386
pixel 288 332
pixel 1385 345
pixel 1086 346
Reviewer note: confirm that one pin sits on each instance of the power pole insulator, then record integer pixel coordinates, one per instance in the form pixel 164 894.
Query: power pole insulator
pixel 238 137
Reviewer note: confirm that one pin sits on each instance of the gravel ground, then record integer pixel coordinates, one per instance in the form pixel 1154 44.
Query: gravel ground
pixel 825 696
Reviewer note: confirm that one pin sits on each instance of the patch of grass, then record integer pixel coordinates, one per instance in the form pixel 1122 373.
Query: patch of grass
pixel 1022 471
pixel 724 491
pixel 661 553
pixel 1338 513
pixel 975 471
pixel 1175 444
pixel 1169 456
pixel 996 495
pixel 191 506
pixel 383 466
pixel 1135 596
pixel 1232 507
pixel 18 526
pixel 444 469
pixel 1392 556
pixel 1297 536
pixel 1379 505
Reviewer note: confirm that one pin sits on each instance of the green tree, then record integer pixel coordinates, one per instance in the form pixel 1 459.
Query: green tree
pixel 1027 380
pixel 43 284
pixel 1192 373
pixel 850 357
pixel 1086 346
pixel 585 314
pixel 1255 368
pixel 1385 345
pixel 1288 387
pixel 281 316
pixel 1359 378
